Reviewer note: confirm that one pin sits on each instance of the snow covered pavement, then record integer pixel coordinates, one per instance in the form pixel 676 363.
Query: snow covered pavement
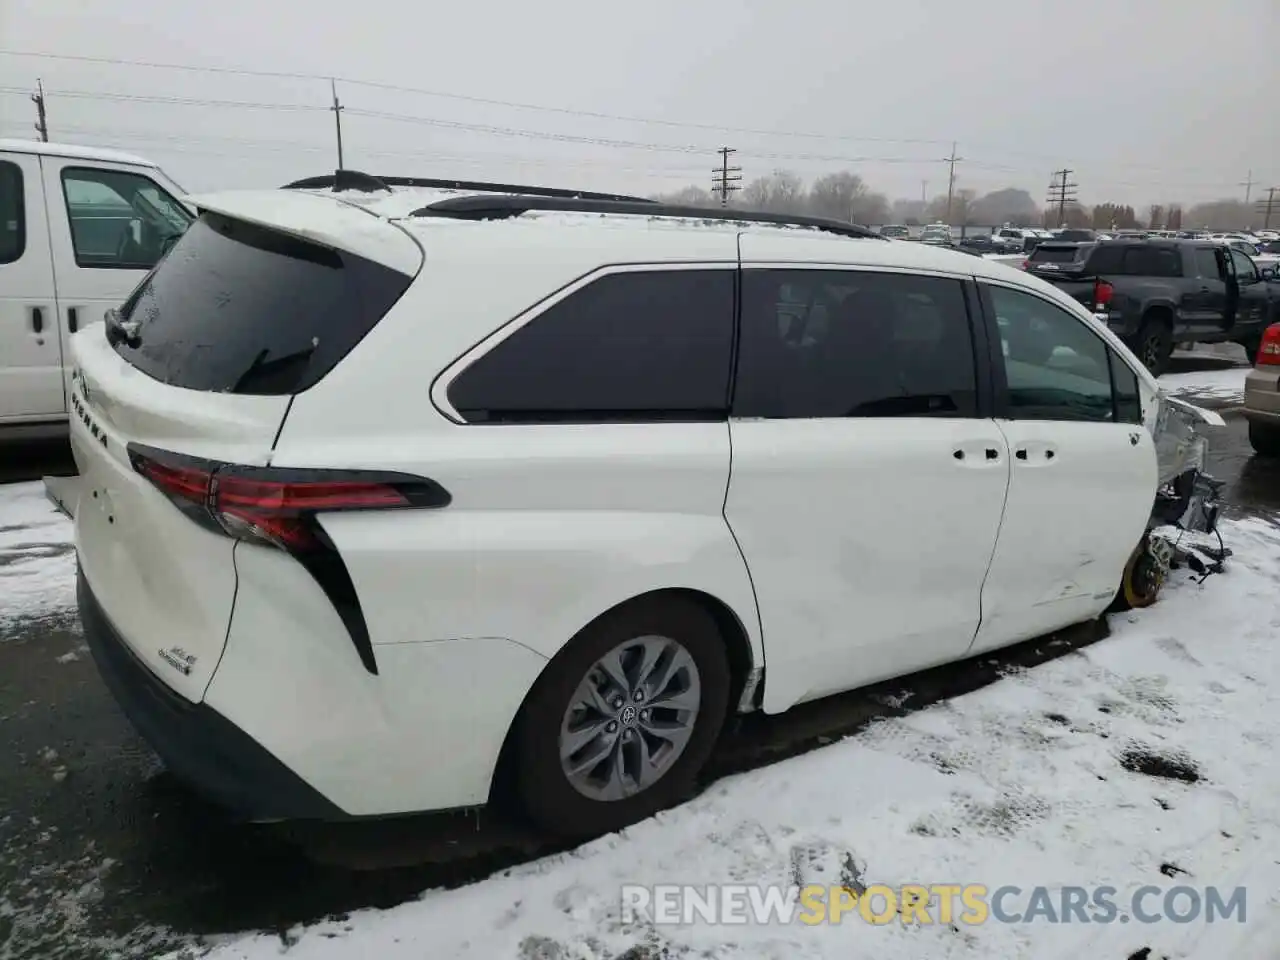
pixel 37 557
pixel 1036 780
pixel 1030 782
pixel 1220 387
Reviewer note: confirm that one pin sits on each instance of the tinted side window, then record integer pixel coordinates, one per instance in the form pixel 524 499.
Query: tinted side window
pixel 13 221
pixel 638 346
pixel 1106 259
pixel 1056 367
pixel 819 343
pixel 1207 264
pixel 120 220
pixel 1152 262
pixel 1124 383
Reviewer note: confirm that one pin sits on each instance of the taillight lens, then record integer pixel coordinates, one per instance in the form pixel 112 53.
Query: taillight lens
pixel 275 506
pixel 1269 350
pixel 1102 292
pixel 1025 264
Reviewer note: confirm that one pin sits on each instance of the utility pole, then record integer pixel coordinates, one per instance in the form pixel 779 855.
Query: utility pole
pixel 1061 192
pixel 951 178
pixel 924 191
pixel 725 179
pixel 337 119
pixel 1268 206
pixel 42 122
pixel 1247 183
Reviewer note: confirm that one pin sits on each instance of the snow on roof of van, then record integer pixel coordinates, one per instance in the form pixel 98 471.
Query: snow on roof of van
pixel 73 152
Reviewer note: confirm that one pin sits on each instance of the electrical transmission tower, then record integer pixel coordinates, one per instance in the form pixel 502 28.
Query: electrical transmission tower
pixel 42 122
pixel 725 179
pixel 1062 192
pixel 1268 207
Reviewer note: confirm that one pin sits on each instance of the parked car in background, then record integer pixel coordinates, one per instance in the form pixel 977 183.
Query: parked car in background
pixel 896 232
pixel 1157 293
pixel 79 228
pixel 937 233
pixel 1075 235
pixel 555 574
pixel 1262 395
pixel 1057 258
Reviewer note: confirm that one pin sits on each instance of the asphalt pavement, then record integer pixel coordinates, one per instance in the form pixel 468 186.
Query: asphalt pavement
pixel 103 855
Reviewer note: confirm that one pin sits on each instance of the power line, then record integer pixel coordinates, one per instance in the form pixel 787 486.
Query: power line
pixel 463 98
pixel 725 179
pixel 1061 192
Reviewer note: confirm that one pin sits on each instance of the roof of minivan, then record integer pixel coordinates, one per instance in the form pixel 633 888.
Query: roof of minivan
pixel 325 216
pixel 72 152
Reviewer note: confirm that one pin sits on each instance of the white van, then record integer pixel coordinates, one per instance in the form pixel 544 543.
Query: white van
pixel 79 228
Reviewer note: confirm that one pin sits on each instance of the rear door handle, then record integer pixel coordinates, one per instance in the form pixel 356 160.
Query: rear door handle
pixel 72 320
pixel 976 454
pixel 37 319
pixel 1046 454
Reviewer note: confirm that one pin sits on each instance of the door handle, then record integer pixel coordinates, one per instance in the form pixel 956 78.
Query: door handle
pixel 989 454
pixel 72 320
pixel 37 319
pixel 1024 455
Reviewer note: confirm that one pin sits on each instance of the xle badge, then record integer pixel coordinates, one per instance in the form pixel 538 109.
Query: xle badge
pixel 179 659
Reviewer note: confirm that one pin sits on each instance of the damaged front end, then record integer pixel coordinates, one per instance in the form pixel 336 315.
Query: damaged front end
pixel 1183 528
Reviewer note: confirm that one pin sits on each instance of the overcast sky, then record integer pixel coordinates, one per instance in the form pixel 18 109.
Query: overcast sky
pixel 1145 100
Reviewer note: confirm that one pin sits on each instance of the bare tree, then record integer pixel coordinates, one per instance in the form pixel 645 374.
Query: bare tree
pixel 779 192
pixel 1220 215
pixel 837 195
pixel 1156 219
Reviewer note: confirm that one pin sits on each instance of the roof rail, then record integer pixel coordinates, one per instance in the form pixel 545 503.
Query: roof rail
pixel 355 180
pixel 504 207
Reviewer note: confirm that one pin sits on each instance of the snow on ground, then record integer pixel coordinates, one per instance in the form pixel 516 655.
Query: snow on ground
pixel 1031 781
pixel 37 557
pixel 1225 386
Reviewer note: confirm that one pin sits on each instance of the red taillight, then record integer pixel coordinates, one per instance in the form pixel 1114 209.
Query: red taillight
pixel 1102 292
pixel 1025 264
pixel 272 505
pixel 1269 349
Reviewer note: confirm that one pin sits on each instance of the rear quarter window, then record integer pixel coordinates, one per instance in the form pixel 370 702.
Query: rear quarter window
pixel 236 308
pixel 637 346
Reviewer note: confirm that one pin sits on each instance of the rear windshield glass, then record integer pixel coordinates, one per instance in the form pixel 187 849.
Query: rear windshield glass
pixel 1049 254
pixel 236 308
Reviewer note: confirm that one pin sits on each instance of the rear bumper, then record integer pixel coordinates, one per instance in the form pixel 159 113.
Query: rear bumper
pixel 1262 395
pixel 198 744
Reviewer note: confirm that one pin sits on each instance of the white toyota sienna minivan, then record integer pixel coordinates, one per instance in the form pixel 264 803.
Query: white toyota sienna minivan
pixel 399 493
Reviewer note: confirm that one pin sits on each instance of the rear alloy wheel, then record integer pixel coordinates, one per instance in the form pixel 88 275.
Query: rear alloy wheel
pixel 1265 439
pixel 624 718
pixel 1154 346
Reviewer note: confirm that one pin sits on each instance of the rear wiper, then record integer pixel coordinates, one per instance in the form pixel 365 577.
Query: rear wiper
pixel 120 330
pixel 262 368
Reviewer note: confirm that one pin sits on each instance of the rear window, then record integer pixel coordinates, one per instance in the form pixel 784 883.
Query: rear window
pixel 236 308
pixel 1048 253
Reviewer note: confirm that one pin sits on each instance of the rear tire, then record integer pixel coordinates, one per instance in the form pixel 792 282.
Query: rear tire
pixel 575 699
pixel 1154 344
pixel 1265 439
